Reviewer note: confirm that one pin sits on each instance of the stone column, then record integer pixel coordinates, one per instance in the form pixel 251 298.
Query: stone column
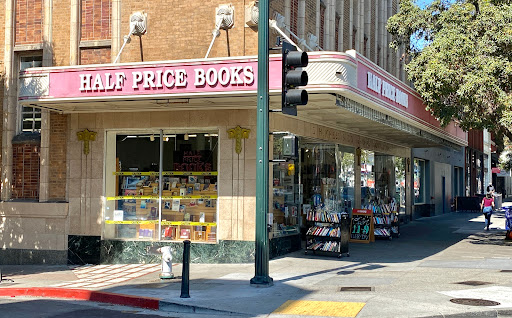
pixel 357 178
pixel 351 24
pixel 341 33
pixel 9 102
pixel 332 25
pixel 301 20
pixel 388 49
pixel 287 15
pixel 367 27
pixel 376 27
pixel 44 176
pixel 360 27
pixel 74 33
pixel 116 29
pixel 383 33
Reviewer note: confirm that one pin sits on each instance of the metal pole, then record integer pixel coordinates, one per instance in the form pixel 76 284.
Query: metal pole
pixel 160 184
pixel 261 277
pixel 185 270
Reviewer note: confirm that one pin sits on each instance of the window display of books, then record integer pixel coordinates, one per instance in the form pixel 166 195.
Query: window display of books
pixel 188 205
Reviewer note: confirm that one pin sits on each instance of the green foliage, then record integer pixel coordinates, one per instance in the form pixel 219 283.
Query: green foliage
pixel 464 70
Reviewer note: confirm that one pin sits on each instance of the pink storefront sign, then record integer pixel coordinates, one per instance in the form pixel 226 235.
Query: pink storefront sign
pixel 160 79
pixel 379 85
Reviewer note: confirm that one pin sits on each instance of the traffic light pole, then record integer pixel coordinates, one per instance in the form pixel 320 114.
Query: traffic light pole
pixel 261 277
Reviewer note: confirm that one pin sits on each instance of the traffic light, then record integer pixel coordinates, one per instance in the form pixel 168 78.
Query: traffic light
pixel 293 76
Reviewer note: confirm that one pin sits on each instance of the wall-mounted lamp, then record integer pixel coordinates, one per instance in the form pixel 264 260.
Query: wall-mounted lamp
pixel 152 137
pixel 166 138
pixel 185 137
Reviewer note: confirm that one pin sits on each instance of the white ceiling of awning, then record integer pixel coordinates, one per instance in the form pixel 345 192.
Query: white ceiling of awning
pixel 321 109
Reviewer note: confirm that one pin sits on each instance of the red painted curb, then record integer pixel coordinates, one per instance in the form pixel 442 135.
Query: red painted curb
pixel 83 294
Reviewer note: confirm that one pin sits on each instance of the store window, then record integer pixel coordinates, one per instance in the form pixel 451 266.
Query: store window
pixel 286 194
pixel 382 182
pixel 419 181
pixel 165 187
pixel 345 158
pixel 312 177
pixel 400 193
pixel 29 117
pixel 328 177
pixel 367 177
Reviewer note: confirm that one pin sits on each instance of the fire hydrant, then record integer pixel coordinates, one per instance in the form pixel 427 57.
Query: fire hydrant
pixel 166 252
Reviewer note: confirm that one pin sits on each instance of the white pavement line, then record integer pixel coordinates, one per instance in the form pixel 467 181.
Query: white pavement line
pixel 501 294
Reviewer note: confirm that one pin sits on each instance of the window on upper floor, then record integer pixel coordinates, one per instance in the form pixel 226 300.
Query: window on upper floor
pixel 29 117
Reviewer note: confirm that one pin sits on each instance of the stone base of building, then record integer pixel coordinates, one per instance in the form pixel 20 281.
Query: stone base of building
pixel 83 249
pixel 14 256
pixel 134 252
pixel 92 250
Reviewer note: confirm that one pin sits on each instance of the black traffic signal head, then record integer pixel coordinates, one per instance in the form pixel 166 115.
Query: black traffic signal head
pixel 293 76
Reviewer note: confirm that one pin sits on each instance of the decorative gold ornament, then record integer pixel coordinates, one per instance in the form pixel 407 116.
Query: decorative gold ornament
pixel 86 136
pixel 238 133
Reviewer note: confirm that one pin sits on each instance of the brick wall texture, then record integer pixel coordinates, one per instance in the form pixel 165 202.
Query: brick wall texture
pixel 60 32
pixel 321 39
pixel 310 26
pixel 94 56
pixel 25 182
pixel 96 17
pixel 29 21
pixel 294 10
pixel 58 148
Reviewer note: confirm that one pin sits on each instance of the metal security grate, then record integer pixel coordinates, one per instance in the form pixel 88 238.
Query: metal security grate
pixel 474 302
pixel 357 288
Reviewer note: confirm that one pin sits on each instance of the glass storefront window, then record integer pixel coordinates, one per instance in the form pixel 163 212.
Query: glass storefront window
pixel 382 182
pixel 400 194
pixel 311 176
pixel 367 177
pixel 345 157
pixel 286 193
pixel 319 175
pixel 165 187
pixel 419 181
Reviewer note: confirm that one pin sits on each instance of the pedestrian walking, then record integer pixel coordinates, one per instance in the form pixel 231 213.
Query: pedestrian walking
pixel 487 206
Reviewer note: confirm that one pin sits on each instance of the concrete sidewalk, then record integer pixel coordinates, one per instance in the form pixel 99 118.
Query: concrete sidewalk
pixel 435 260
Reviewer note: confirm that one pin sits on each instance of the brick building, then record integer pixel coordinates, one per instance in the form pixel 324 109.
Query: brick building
pixel 63 201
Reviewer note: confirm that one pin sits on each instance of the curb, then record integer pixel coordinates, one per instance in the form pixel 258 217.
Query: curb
pixel 168 306
pixel 83 294
pixel 478 314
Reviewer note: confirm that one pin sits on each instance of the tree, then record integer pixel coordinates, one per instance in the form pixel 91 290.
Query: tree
pixel 458 55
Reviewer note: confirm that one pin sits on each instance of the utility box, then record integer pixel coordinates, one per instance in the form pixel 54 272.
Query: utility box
pixel 290 146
